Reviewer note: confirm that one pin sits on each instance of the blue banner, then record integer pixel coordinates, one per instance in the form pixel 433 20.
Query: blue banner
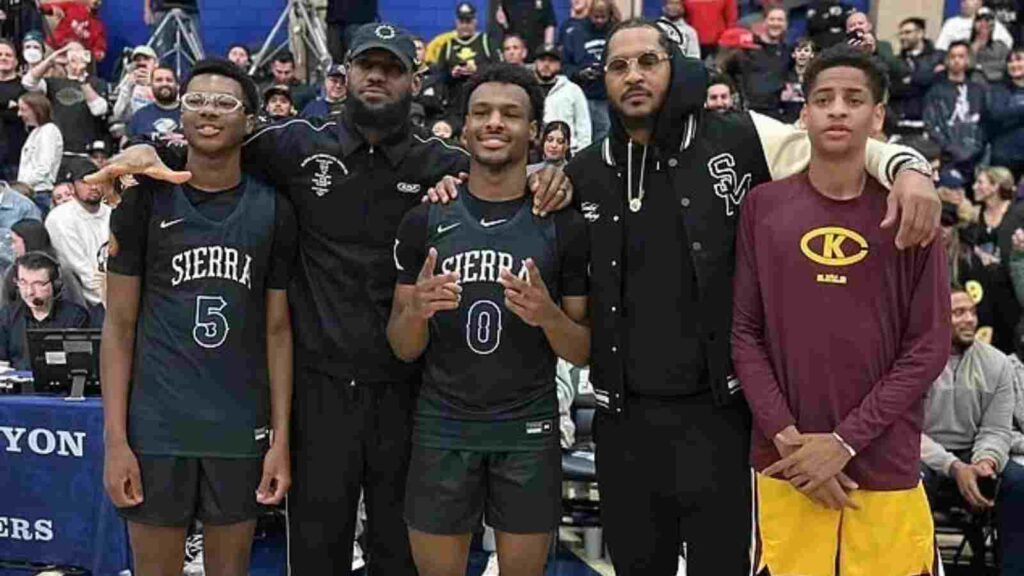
pixel 53 508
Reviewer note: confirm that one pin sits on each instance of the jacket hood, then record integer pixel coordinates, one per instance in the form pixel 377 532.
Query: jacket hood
pixel 676 121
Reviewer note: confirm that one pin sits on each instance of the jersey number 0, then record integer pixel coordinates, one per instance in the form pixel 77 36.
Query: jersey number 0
pixel 211 327
pixel 483 329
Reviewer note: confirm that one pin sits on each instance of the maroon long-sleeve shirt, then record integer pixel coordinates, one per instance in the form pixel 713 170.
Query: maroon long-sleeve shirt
pixel 834 329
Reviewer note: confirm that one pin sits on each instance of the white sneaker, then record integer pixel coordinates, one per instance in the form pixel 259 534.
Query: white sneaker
pixel 492 565
pixel 194 556
pixel 357 557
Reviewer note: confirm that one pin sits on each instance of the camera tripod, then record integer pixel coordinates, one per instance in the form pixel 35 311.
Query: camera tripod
pixel 306 26
pixel 185 47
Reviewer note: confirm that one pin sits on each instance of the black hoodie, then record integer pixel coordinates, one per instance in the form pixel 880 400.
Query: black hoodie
pixel 699 167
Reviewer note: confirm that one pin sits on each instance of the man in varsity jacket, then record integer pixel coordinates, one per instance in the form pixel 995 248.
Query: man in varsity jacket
pixel 662 196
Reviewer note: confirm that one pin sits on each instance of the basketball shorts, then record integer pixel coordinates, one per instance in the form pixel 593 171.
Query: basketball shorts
pixel 891 534
pixel 452 491
pixel 215 491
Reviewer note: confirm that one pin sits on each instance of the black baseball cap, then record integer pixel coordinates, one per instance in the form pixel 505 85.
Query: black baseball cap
pixel 384 36
pixel 550 51
pixel 336 70
pixel 76 168
pixel 465 11
pixel 278 89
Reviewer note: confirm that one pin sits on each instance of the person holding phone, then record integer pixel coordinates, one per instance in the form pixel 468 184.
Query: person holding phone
pixel 966 435
pixel 78 104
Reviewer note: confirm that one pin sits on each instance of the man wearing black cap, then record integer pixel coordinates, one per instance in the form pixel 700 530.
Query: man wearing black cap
pixel 277 103
pixel 467 52
pixel 563 100
pixel 351 181
pixel 332 103
pixel 531 20
pixel 80 230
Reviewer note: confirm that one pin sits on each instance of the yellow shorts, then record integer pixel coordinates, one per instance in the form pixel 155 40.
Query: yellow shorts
pixel 890 535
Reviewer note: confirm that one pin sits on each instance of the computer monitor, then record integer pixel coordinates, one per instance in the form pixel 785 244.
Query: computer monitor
pixel 65 361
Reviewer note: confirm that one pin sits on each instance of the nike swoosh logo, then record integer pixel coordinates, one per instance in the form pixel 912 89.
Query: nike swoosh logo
pixel 165 224
pixel 444 228
pixel 487 224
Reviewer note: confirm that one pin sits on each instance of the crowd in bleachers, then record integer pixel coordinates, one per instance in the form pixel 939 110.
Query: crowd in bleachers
pixel 959 101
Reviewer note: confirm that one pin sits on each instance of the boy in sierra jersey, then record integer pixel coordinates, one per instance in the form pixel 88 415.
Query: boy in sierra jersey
pixel 836 337
pixel 197 339
pixel 479 282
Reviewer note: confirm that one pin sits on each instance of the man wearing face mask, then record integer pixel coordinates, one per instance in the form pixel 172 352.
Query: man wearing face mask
pixel 78 104
pixel 351 182
pixel 32 49
pixel 12 130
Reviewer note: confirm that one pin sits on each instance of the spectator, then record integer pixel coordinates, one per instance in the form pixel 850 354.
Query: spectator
pixel 134 92
pixel 720 94
pixel 1005 112
pixel 29 235
pixel 283 70
pixel 14 207
pixel 78 22
pixel 239 54
pixel 958 28
pixel 921 66
pixel 953 109
pixel 792 99
pixel 99 153
pixel 1007 13
pixel 967 431
pixel 41 155
pixel 278 104
pixel 675 12
pixel 583 55
pixel 421 52
pixel 763 70
pixel 343 18
pixel 12 130
pixel 468 51
pixel 989 55
pixel 32 49
pixel 63 193
pixel 858 25
pixel 578 12
pixel 513 50
pixel 988 266
pixel 531 20
pixel 42 304
pixel 161 120
pixel 153 11
pixel 77 101
pixel 333 101
pixel 80 231
pixel 710 18
pixel 826 22
pixel 556 141
pixel 563 100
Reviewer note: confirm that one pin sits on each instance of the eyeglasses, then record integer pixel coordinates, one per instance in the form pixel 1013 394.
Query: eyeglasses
pixel 222 103
pixel 645 63
pixel 22 284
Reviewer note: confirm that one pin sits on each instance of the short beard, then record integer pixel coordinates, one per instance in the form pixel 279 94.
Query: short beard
pixel 384 118
pixel 166 101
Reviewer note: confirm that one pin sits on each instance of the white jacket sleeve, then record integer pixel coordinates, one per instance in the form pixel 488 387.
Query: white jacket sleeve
pixel 73 251
pixel 1003 35
pixel 581 130
pixel 946 35
pixel 934 456
pixel 787 151
pixel 39 168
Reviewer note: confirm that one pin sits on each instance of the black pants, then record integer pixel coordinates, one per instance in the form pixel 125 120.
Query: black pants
pixel 339 39
pixel 675 470
pixel 345 438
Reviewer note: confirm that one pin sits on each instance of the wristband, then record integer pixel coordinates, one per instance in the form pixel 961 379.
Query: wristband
pixel 845 445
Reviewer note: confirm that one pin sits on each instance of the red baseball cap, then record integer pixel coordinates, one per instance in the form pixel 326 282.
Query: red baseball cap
pixel 738 38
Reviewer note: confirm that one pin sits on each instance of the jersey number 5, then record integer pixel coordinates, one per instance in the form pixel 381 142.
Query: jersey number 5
pixel 211 327
pixel 483 329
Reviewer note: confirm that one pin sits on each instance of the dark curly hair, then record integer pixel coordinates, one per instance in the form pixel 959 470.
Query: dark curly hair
pixel 504 73
pixel 844 55
pixel 228 69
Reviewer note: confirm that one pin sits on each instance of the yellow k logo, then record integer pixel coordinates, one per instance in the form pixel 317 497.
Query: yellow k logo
pixel 830 250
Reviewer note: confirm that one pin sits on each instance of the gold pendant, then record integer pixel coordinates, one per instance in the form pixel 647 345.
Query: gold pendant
pixel 634 205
